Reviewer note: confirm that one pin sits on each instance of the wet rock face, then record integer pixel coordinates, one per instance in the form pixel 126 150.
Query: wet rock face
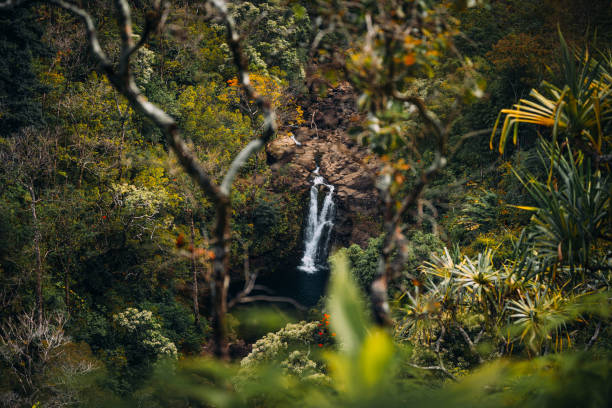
pixel 325 143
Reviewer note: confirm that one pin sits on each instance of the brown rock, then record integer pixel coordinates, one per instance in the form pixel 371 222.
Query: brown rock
pixel 325 143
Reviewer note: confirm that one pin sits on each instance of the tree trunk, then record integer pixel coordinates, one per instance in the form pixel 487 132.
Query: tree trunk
pixel 194 272
pixel 378 288
pixel 220 281
pixel 124 117
pixel 120 153
pixel 39 271
pixel 67 285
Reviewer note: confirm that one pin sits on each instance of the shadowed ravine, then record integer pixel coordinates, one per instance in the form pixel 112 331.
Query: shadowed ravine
pixel 333 175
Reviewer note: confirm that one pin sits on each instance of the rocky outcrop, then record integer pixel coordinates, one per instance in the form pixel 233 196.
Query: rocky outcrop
pixel 325 143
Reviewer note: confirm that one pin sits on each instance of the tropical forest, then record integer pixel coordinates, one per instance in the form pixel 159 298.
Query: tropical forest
pixel 305 203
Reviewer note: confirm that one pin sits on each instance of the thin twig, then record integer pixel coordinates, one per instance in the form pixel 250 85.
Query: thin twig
pixel 9 4
pixel 266 298
pixel 594 338
pixel 440 366
pixel 469 341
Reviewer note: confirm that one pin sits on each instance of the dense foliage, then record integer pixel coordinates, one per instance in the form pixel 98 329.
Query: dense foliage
pixel 487 283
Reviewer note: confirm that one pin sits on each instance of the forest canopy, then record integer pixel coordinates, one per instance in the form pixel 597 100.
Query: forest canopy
pixel 276 203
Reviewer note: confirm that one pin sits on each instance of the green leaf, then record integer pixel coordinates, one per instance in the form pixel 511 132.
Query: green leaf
pixel 345 305
pixel 299 11
pixel 376 357
pixel 525 207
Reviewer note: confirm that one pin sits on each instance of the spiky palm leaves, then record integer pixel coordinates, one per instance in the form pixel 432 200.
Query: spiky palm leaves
pixel 452 290
pixel 572 212
pixel 423 307
pixel 422 313
pixel 571 217
pixel 472 281
pixel 478 278
pixel 581 109
pixel 538 317
pixel 474 293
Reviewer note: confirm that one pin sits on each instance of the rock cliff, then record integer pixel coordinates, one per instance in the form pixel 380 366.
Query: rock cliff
pixel 324 141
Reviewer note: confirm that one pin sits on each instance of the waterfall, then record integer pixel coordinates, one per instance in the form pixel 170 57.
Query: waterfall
pixel 318 227
pixel 297 142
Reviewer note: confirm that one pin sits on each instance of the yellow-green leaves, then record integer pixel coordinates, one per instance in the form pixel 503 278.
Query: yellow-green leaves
pixel 375 357
pixel 366 354
pixel 346 308
pixel 525 207
pixel 576 108
pixel 210 118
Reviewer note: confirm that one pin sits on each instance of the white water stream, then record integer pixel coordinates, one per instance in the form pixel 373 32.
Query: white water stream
pixel 297 142
pixel 318 227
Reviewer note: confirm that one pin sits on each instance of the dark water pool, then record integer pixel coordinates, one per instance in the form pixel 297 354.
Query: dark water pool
pixel 305 288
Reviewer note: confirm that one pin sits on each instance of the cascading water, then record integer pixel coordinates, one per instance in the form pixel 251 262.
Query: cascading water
pixel 319 226
pixel 297 142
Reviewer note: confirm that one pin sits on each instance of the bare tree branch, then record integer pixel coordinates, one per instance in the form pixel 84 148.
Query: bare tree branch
pixel 440 366
pixel 479 336
pixel 593 338
pixel 33 350
pixel 122 79
pixel 124 21
pixel 126 85
pixel 240 61
pixel 457 145
pixel 394 216
pixel 471 344
pixel 92 34
pixel 435 368
pixel 253 147
pixel 428 116
pixel 249 285
pixel 266 298
pixel 9 4
pixel 155 21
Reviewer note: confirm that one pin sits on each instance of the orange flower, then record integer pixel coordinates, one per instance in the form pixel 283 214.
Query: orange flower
pixel 409 60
